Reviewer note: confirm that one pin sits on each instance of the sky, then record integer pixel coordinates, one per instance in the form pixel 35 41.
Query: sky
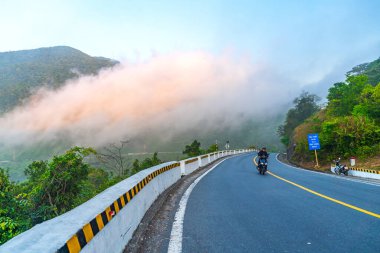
pixel 189 59
pixel 310 41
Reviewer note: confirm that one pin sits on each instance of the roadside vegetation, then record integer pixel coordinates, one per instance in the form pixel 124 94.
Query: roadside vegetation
pixel 194 149
pixel 349 125
pixel 54 187
pixel 58 185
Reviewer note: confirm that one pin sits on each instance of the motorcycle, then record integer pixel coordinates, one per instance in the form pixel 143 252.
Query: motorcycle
pixel 262 165
pixel 340 168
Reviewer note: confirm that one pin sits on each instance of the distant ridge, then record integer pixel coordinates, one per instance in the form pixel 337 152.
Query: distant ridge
pixel 24 70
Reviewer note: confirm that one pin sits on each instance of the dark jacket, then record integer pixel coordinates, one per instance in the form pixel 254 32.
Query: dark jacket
pixel 262 153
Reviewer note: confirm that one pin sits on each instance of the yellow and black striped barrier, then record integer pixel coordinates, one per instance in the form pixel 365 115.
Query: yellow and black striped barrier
pixel 366 170
pixel 191 161
pixel 205 156
pixel 87 232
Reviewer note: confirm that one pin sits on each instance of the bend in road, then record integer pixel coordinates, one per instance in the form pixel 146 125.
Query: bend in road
pixel 234 209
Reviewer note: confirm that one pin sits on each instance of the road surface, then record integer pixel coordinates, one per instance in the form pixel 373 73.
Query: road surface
pixel 234 209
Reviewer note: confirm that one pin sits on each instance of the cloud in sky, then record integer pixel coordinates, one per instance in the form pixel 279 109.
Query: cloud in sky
pixel 312 42
pixel 169 94
pixel 287 46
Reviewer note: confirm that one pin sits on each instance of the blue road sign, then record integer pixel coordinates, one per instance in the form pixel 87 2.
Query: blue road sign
pixel 313 142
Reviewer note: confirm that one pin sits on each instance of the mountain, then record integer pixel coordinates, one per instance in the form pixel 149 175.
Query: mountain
pixel 23 71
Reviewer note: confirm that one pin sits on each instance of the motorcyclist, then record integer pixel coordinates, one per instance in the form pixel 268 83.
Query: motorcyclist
pixel 263 153
pixel 340 168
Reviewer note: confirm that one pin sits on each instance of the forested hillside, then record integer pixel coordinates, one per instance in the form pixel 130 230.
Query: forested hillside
pixel 23 71
pixel 349 125
pixel 371 70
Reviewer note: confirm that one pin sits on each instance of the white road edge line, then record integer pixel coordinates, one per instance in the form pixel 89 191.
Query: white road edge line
pixel 175 243
pixel 330 175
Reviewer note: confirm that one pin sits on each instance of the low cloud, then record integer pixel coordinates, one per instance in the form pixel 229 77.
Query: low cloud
pixel 168 94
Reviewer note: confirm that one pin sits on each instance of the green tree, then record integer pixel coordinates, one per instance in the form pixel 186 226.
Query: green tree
pixel 146 163
pixel 350 135
pixel 369 103
pixel 350 123
pixel 97 181
pixel 55 185
pixel 371 70
pixel 194 149
pixel 213 148
pixel 304 106
pixel 343 97
pixel 136 167
pixel 13 209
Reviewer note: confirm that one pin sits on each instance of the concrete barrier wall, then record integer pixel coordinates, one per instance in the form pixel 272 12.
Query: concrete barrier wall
pixel 63 233
pixel 119 231
pixel 191 165
pixel 212 157
pixel 204 160
pixel 361 173
pixel 106 222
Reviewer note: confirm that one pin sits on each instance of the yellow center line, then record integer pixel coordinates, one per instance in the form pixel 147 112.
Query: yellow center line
pixel 254 161
pixel 327 197
pixel 322 195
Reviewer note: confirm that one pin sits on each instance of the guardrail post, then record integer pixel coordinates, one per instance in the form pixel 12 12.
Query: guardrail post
pixel 209 158
pixel 199 161
pixel 183 169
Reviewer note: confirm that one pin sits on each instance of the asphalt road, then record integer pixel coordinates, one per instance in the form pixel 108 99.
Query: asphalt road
pixel 234 209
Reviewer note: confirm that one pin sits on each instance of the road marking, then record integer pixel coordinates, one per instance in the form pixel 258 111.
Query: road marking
pixel 356 180
pixel 326 197
pixel 254 161
pixel 319 194
pixel 175 243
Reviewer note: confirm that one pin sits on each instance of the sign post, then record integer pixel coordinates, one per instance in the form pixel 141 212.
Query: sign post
pixel 313 140
pixel 316 157
pixel 227 146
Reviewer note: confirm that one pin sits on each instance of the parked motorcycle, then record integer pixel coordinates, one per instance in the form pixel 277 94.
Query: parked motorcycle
pixel 340 168
pixel 262 165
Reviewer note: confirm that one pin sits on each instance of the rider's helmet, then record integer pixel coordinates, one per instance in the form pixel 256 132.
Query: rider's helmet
pixel 264 148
